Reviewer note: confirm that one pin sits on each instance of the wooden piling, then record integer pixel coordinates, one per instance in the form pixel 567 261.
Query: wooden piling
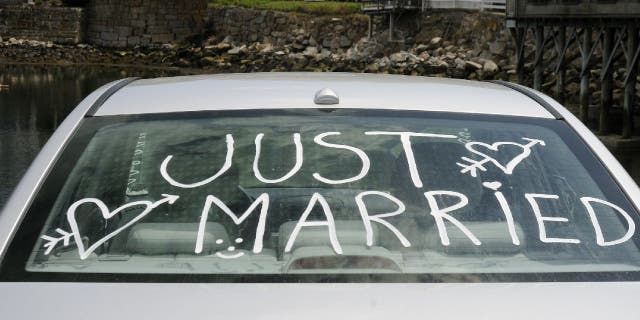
pixel 519 35
pixel 585 93
pixel 539 67
pixel 630 85
pixel 391 25
pixel 606 98
pixel 561 76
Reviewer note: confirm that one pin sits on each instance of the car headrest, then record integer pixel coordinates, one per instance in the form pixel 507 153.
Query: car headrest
pixel 494 237
pixel 175 238
pixel 348 233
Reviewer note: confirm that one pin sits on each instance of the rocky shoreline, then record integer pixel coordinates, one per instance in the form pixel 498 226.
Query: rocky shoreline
pixel 436 58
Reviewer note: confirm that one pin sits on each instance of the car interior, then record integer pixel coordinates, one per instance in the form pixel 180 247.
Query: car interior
pixel 164 241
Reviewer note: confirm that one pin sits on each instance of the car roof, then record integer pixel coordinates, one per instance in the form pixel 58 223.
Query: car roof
pixel 297 90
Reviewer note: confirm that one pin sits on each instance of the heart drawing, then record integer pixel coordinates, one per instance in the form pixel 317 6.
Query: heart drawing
pixel 106 214
pixel 474 165
pixel 493 185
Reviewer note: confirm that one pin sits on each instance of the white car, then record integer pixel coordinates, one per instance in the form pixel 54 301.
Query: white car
pixel 320 196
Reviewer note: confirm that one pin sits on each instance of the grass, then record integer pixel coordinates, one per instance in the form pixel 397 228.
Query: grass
pixel 309 7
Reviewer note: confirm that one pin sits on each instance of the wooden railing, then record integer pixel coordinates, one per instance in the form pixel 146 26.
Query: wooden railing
pixel 390 5
pixel 496 5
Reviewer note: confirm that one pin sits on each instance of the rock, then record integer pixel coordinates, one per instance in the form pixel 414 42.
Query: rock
pixel 490 67
pixel 324 54
pixel 167 46
pixel 255 47
pixel 310 52
pixel 399 57
pixel 227 39
pixel 344 42
pixel 373 67
pixel 421 48
pixel 370 48
pixel 237 50
pixel 212 40
pixel 473 66
pixel 207 61
pixel 450 56
pixel 383 62
pixel 435 42
pixel 268 48
pixel 353 54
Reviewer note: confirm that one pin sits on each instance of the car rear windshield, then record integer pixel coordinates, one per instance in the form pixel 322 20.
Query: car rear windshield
pixel 337 194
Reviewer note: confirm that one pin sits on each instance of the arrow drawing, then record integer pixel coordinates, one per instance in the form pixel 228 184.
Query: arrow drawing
pixel 106 214
pixel 472 166
pixel 51 241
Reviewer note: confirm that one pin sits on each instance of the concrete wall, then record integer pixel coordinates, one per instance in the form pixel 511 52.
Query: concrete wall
pixel 121 23
pixel 57 24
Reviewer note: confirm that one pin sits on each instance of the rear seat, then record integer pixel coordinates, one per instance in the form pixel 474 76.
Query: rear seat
pixel 174 238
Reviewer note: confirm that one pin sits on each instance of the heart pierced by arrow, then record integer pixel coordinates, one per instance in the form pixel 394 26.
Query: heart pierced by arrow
pixel 472 166
pixel 106 214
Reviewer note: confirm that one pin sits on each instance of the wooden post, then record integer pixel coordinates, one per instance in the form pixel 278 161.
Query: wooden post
pixel 629 89
pixel 391 23
pixel 560 77
pixel 584 80
pixel 519 35
pixel 539 68
pixel 606 98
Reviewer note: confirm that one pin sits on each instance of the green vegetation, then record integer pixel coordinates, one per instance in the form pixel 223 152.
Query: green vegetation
pixel 310 7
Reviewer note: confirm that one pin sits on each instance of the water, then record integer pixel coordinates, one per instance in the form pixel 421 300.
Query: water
pixel 33 102
pixel 39 97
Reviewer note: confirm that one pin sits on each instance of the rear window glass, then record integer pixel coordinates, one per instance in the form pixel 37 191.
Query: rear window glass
pixel 330 192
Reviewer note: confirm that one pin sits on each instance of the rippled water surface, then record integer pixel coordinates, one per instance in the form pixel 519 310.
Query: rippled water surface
pixel 33 102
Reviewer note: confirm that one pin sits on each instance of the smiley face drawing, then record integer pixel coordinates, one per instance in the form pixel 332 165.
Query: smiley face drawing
pixel 230 249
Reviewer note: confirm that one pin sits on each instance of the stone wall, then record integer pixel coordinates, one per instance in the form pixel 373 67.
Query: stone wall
pixel 483 32
pixel 56 24
pixel 127 23
pixel 243 25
